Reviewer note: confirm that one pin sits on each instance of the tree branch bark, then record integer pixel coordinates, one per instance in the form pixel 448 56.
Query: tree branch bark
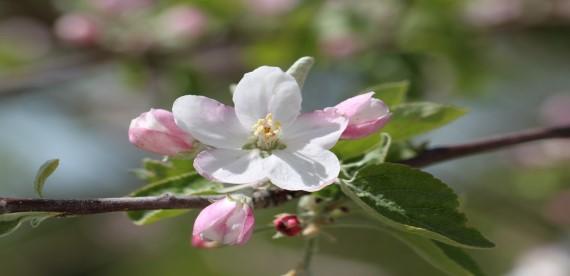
pixel 445 153
pixel 268 198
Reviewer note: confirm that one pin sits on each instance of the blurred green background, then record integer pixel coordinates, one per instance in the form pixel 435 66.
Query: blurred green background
pixel 74 73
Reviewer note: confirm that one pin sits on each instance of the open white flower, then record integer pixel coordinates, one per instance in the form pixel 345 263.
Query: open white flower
pixel 265 137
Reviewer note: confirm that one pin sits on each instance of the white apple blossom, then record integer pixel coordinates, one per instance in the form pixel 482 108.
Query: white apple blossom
pixel 265 137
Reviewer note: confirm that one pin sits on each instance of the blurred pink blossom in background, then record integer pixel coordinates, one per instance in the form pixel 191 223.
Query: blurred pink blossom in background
pixel 78 29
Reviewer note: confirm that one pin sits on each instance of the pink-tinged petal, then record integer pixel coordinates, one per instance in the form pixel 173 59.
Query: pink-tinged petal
pixel 351 106
pixel 231 166
pixel 247 229
pixel 166 119
pixel 210 122
pixel 227 221
pixel 358 131
pixel 199 243
pixel 309 169
pixel 267 90
pixel 158 142
pixel 320 128
pixel 155 131
pixel 213 215
pixel 366 115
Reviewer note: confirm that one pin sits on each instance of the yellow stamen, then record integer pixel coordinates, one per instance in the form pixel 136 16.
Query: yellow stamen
pixel 266 131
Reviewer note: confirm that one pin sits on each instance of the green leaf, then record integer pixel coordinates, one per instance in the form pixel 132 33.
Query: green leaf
pixel 449 259
pixel 8 224
pixel 413 201
pixel 330 192
pixel 377 155
pixel 156 170
pixel 43 173
pixel 349 149
pixel 11 222
pixel 300 69
pixel 412 119
pixel 392 93
pixel 189 183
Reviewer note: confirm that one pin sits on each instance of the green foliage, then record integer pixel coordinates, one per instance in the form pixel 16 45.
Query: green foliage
pixel 377 155
pixel 176 177
pixel 391 93
pixel 449 259
pixel 412 119
pixel 43 173
pixel 156 170
pixel 413 201
pixel 349 149
pixel 401 150
pixel 330 192
pixel 11 222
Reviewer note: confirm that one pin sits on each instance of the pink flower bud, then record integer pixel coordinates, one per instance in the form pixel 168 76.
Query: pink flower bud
pixel 77 29
pixel 227 221
pixel 199 243
pixel 341 46
pixel 156 131
pixel 181 23
pixel 366 115
pixel 287 224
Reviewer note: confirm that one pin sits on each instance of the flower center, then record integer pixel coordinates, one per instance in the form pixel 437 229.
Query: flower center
pixel 265 134
pixel 267 129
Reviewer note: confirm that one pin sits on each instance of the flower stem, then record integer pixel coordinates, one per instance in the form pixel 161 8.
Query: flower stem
pixel 310 247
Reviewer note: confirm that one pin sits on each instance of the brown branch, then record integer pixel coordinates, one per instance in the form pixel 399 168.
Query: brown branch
pixel 262 199
pixel 445 153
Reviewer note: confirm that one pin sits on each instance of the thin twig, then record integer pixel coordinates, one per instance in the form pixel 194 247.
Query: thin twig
pixel 263 199
pixel 445 153
pixel 267 198
pixel 310 248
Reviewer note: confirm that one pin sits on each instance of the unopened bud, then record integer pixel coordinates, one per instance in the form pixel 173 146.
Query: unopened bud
pixel 287 224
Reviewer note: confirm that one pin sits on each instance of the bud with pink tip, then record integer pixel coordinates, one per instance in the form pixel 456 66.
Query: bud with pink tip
pixel 77 29
pixel 156 131
pixel 287 224
pixel 366 115
pixel 228 221
pixel 199 243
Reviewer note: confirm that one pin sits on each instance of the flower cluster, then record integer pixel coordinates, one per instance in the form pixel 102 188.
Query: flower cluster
pixel 264 138
pixel 131 26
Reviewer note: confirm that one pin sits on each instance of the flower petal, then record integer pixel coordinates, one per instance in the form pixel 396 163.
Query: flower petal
pixel 209 121
pixel 321 128
pixel 309 169
pixel 239 226
pixel 231 166
pixel 351 106
pixel 361 130
pixel 211 217
pixel 267 90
